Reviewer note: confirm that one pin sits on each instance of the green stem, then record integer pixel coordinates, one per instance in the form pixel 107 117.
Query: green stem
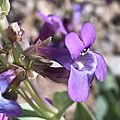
pixel 88 111
pixel 3 27
pixel 37 110
pixel 38 101
pixel 49 107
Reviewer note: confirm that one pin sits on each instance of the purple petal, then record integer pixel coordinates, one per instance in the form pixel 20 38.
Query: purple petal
pixel 5 79
pixel 9 107
pixel 3 116
pixel 77 9
pixel 78 86
pixel 57 23
pixel 43 16
pixel 74 44
pixel 53 24
pixel 88 34
pixel 101 70
pixel 59 55
pixel 59 75
pixel 46 31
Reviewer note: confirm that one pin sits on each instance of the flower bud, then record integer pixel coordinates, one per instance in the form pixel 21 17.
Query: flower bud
pixel 15 32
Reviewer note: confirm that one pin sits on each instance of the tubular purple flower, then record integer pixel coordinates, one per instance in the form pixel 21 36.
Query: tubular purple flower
pixel 81 62
pixel 88 63
pixel 8 107
pixel 53 24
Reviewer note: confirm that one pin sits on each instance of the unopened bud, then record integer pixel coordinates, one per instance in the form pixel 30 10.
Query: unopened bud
pixel 15 32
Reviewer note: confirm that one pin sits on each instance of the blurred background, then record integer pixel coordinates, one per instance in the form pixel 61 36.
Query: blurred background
pixel 104 100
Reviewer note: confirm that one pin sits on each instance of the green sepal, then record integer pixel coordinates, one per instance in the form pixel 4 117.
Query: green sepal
pixel 2 14
pixel 6 6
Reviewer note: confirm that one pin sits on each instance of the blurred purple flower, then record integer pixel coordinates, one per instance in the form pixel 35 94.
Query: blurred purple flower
pixel 108 1
pixel 76 15
pixel 53 24
pixel 8 107
pixel 3 116
pixel 82 63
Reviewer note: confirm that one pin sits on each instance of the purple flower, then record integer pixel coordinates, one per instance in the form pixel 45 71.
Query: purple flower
pixel 8 107
pixel 52 24
pixel 81 62
pixel 86 63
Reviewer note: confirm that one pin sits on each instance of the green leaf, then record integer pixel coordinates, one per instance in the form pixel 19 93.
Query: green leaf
pixel 83 113
pixel 110 83
pixel 61 99
pixel 1 1
pixel 113 107
pixel 62 102
pixel 6 6
pixel 101 107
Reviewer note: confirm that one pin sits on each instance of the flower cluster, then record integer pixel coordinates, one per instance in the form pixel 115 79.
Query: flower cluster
pixel 78 64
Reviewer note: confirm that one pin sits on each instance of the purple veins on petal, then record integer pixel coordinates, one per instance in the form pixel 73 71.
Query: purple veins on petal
pixel 89 61
pixel 88 34
pixel 101 69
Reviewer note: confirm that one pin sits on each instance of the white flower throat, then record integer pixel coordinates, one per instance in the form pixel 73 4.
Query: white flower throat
pixel 78 65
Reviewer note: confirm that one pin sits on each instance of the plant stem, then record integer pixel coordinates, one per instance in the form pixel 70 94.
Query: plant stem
pixel 35 107
pixel 3 27
pixel 88 111
pixel 38 101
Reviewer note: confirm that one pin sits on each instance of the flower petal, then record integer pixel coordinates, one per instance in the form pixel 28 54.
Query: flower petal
pixel 9 107
pixel 78 86
pixel 53 24
pixel 59 55
pixel 88 34
pixel 46 31
pixel 59 75
pixel 57 23
pixel 101 70
pixel 74 44
pixel 3 116
pixel 5 79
